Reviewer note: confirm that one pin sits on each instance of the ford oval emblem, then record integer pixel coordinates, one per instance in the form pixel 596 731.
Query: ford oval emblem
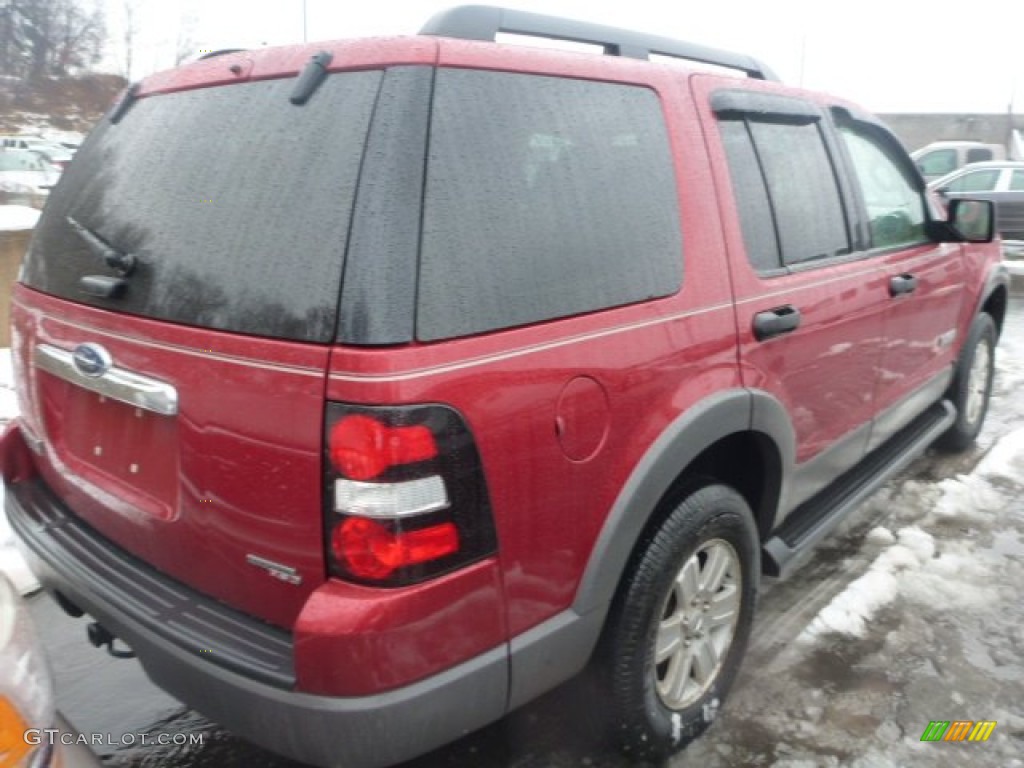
pixel 91 359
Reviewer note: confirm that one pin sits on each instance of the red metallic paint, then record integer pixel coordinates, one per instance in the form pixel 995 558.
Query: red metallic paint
pixel 352 640
pixel 247 443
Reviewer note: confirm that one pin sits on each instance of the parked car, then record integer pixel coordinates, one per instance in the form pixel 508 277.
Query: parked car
pixel 943 157
pixel 481 366
pixel 26 178
pixel 32 732
pixel 54 152
pixel 17 142
pixel 1001 182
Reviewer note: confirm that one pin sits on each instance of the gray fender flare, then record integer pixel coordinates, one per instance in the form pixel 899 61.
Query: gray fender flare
pixel 559 647
pixel 724 414
pixel 998 277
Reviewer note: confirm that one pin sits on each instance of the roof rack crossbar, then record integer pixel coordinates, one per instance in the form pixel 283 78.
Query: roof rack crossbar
pixel 485 22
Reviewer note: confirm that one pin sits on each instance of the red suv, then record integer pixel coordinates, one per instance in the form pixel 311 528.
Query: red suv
pixel 370 389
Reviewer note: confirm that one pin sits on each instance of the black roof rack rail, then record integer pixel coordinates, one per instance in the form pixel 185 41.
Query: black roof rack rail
pixel 484 22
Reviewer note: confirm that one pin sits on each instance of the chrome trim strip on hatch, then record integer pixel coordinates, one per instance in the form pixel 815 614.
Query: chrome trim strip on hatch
pixel 116 383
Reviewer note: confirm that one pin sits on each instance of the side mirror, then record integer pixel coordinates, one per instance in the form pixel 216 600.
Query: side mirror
pixel 968 221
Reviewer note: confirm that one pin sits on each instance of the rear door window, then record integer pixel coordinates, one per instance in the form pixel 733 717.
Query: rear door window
pixel 787 192
pixel 234 202
pixel 545 197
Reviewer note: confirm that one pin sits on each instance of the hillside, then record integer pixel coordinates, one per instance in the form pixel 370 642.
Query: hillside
pixel 56 105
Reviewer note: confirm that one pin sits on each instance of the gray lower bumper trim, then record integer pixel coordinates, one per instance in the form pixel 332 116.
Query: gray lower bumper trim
pixel 355 732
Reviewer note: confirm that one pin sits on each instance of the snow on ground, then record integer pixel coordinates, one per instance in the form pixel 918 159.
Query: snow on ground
pixel 14 217
pixel 910 565
pixel 11 562
pixel 911 613
pixel 8 401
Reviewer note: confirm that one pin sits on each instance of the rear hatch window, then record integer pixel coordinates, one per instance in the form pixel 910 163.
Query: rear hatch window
pixel 237 218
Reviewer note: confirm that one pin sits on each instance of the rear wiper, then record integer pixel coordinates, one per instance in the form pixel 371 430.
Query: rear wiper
pixel 311 78
pixel 119 261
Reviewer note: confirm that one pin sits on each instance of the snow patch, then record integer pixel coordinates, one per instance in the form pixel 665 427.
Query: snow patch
pixel 16 569
pixel 11 562
pixel 910 566
pixel 8 405
pixel 1006 459
pixel 919 542
pixel 969 497
pixel 711 710
pixel 14 217
pixel 850 610
pixel 881 536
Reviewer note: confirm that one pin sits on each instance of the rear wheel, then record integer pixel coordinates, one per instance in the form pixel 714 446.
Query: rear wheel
pixel 680 623
pixel 972 385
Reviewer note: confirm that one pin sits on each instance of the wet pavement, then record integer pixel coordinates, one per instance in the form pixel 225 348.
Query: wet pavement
pixel 912 612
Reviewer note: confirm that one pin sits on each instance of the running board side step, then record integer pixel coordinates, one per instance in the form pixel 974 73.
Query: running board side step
pixel 813 520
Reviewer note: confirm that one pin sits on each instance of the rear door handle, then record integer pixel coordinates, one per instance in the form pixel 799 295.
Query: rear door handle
pixel 775 322
pixel 901 284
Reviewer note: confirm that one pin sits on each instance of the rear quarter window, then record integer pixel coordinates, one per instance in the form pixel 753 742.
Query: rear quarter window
pixel 545 197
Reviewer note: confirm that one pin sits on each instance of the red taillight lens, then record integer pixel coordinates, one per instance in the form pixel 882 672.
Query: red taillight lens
pixel 371 550
pixel 362 448
pixel 405 498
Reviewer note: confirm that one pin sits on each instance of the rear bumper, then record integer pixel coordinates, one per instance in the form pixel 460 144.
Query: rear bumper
pixel 249 686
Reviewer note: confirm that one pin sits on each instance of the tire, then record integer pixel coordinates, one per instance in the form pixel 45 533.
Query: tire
pixel 972 385
pixel 668 661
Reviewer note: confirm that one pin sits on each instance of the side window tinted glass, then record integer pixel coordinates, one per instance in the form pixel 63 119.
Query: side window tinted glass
pixel 979 155
pixel 805 197
pixel 752 204
pixel 545 197
pixel 895 208
pixel 937 163
pixel 976 181
pixel 1017 181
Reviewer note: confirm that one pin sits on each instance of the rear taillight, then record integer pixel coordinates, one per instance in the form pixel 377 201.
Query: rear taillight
pixel 405 494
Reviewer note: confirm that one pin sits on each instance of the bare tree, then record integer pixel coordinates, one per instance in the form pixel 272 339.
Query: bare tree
pixel 185 45
pixel 49 37
pixel 79 37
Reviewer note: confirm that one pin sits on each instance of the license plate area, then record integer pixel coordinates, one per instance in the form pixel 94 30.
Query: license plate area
pixel 117 447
